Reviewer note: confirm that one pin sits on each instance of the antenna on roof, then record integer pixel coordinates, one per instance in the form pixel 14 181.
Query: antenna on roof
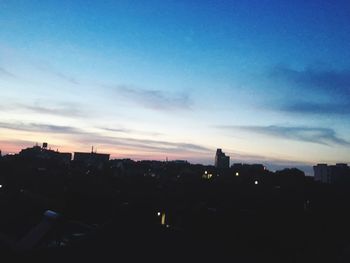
pixel 92 149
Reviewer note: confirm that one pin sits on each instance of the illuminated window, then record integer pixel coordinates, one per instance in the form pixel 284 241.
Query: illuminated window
pixel 163 219
pixel 207 175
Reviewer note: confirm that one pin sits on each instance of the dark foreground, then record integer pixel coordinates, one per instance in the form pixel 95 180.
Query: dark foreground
pixel 159 217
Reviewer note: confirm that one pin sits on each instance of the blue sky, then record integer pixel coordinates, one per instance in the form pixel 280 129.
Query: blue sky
pixel 267 81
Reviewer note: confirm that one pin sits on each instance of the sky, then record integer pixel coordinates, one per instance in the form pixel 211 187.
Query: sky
pixel 266 81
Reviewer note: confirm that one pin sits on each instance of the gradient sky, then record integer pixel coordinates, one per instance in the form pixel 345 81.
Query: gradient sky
pixel 266 81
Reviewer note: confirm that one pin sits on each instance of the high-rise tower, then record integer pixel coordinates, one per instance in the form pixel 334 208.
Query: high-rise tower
pixel 221 160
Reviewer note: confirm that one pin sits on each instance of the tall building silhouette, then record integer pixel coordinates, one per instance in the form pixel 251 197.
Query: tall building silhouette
pixel 221 160
pixel 321 173
pixel 331 174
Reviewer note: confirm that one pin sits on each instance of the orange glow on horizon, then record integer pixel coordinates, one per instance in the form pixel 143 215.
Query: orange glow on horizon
pixel 121 153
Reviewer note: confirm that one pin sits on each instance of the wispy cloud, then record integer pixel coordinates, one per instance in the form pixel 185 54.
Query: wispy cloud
pixel 324 136
pixel 37 127
pixel 130 131
pixel 272 163
pixel 46 67
pixel 16 143
pixel 312 90
pixel 331 82
pixel 142 144
pixel 61 109
pixel 155 99
pixel 4 72
pixel 117 130
pixel 303 107
pixel 80 136
pixel 65 77
pixel 43 66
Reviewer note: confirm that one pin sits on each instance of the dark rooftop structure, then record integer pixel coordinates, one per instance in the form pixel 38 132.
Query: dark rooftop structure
pixel 91 158
pixel 46 154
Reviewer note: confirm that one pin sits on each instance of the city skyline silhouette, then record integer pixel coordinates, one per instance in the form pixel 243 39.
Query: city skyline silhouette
pixel 267 81
pixel 62 206
pixel 187 130
pixel 226 161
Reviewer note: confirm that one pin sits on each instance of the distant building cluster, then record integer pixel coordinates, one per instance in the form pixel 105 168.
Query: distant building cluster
pixel 87 158
pixel 331 174
pixel 42 152
pixel 165 200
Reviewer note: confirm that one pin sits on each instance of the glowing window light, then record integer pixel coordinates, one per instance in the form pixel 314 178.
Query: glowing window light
pixel 256 182
pixel 207 175
pixel 237 173
pixel 163 219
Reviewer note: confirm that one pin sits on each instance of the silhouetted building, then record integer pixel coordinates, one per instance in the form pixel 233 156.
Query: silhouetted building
pixel 339 173
pixel 332 174
pixel 92 158
pixel 44 153
pixel 179 161
pixel 321 173
pixel 221 160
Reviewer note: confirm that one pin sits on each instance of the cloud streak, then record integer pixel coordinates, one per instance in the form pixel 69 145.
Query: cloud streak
pixel 83 137
pixel 312 90
pixel 315 108
pixel 129 131
pixel 328 81
pixel 142 144
pixel 4 72
pixel 65 77
pixel 155 99
pixel 63 109
pixel 323 136
pixel 50 69
pixel 36 127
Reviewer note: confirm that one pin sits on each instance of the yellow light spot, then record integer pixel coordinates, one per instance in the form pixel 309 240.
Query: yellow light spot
pixel 163 219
